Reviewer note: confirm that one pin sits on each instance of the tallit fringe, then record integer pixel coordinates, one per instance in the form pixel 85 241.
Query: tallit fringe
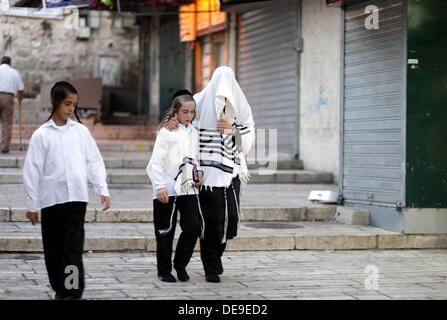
pixel 224 239
pixel 166 231
pixel 239 211
pixel 202 227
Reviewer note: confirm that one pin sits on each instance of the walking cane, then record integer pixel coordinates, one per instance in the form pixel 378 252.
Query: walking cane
pixel 20 125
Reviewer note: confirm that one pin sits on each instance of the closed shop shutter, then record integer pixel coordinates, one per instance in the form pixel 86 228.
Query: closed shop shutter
pixel 268 68
pixel 374 106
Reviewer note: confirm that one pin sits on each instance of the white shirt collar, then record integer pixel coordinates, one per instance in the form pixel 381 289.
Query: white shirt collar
pixel 53 124
pixel 184 127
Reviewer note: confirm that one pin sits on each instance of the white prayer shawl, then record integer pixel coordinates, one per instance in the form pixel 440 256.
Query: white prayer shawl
pixel 220 155
pixel 177 152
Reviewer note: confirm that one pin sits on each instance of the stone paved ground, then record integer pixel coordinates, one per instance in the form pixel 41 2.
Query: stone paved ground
pixel 402 274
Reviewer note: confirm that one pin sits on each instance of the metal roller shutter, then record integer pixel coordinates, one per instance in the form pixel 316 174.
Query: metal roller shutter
pixel 374 106
pixel 267 69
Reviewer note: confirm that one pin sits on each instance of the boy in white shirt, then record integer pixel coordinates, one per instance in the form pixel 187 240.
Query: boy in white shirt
pixel 62 155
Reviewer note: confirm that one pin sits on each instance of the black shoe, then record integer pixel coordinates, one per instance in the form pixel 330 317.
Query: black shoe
pixel 168 277
pixel 182 275
pixel 212 278
pixel 5 151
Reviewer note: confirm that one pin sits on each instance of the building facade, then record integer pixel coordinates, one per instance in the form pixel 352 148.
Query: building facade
pixel 356 88
pixel 369 99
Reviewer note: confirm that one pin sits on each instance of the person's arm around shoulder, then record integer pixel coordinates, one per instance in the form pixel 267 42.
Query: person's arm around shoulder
pixel 32 171
pixel 96 170
pixel 172 124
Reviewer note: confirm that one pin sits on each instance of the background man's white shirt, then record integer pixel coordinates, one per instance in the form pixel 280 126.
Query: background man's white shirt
pixel 10 80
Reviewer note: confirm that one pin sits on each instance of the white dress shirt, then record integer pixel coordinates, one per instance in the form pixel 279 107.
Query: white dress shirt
pixel 59 161
pixel 156 168
pixel 10 80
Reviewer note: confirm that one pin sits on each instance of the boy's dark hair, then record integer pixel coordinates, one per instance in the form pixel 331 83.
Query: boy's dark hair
pixel 58 93
pixel 6 60
pixel 181 92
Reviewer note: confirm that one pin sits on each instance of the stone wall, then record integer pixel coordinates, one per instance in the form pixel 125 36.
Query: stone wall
pixel 44 50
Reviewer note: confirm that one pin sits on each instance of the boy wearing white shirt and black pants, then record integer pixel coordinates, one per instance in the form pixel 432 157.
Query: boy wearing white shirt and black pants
pixel 171 170
pixel 62 155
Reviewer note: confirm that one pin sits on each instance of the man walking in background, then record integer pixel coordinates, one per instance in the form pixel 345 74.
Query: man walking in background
pixel 11 85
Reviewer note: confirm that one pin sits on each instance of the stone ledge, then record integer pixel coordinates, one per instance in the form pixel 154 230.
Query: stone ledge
pixel 19 215
pixel 250 243
pixel 268 243
pixel 336 242
pixel 145 215
pixel 124 215
pixel 115 244
pixel 320 214
pixel 412 241
pixel 273 214
pixel 4 214
pixel 21 245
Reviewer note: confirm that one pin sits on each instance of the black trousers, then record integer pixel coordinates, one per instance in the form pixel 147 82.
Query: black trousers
pixel 213 205
pixel 190 223
pixel 63 244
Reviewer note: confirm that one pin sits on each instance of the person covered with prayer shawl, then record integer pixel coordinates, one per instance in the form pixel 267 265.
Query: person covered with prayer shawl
pixel 226 134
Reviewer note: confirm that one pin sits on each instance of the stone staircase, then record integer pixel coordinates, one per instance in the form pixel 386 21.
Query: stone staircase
pixel 277 214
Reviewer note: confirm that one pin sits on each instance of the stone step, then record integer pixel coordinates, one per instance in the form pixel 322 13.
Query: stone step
pixel 129 215
pixel 139 176
pixel 252 236
pixel 127 160
pixel 103 145
pixel 98 131
pixel 136 160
